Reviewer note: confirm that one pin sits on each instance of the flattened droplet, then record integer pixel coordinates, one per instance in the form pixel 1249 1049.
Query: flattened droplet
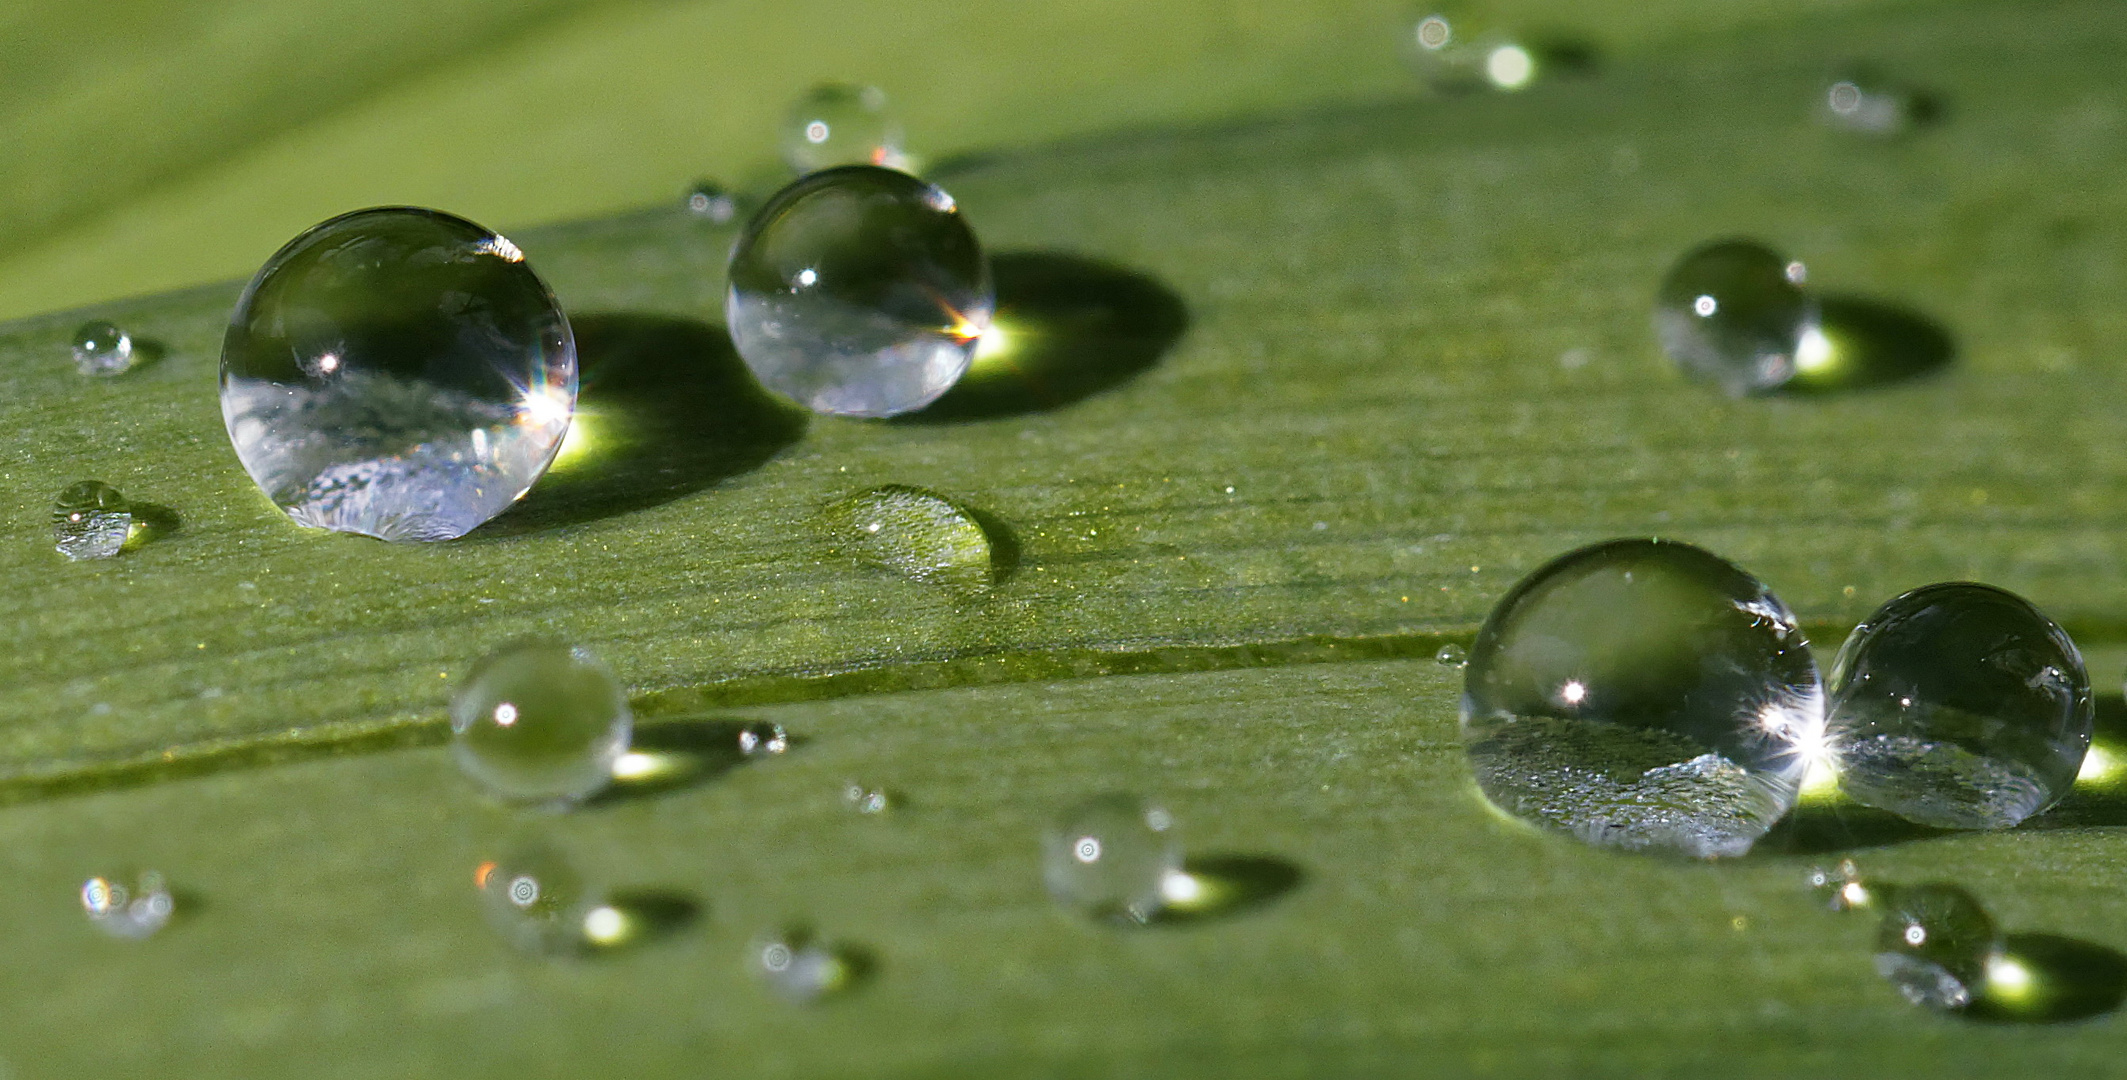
pixel 92 520
pixel 919 533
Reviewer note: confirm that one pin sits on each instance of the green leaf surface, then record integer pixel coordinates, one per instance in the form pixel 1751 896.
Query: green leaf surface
pixel 1296 397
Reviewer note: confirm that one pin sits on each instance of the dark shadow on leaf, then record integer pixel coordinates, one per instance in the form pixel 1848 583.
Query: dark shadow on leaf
pixel 667 409
pixel 1228 885
pixel 1839 825
pixel 672 755
pixel 652 914
pixel 2069 980
pixel 1872 344
pixel 1004 544
pixel 156 522
pixel 1071 327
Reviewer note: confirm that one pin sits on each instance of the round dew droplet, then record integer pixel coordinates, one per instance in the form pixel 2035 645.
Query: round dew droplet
pixel 763 739
pixel 1870 107
pixel 840 124
pixel 539 901
pixel 1960 706
pixel 1453 54
pixel 1934 945
pixel 128 905
pixel 858 291
pixel 1451 656
pixel 1732 313
pixel 916 532
pixel 1643 694
pixel 539 721
pixel 865 799
pixel 709 201
pixel 399 373
pixel 102 348
pixel 91 520
pixel 1110 857
pixel 801 969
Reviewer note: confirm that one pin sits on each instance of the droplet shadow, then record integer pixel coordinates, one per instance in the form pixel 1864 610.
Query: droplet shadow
pixel 2099 798
pixel 156 523
pixel 2065 979
pixel 650 915
pixel 1068 327
pixel 1839 824
pixel 1867 343
pixel 672 755
pixel 666 409
pixel 1225 885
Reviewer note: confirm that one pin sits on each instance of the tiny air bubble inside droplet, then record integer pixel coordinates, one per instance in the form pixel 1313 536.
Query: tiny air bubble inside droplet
pixel 1110 856
pixel 538 721
pixel 1732 313
pixel 102 348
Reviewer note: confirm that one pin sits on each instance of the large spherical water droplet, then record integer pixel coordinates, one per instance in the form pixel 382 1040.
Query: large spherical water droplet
pixel 1733 313
pixel 859 291
pixel 1934 944
pixel 539 721
pixel 1111 857
pixel 399 373
pixel 840 124
pixel 1643 694
pixel 1960 706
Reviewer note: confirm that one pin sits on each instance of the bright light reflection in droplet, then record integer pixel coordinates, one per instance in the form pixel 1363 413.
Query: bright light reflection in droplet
pixel 996 341
pixel 1813 350
pixel 1181 888
pixel 1574 692
pixel 1854 895
pixel 2008 979
pixel 2102 767
pixel 543 406
pixel 605 925
pixel 1705 306
pixel 1510 67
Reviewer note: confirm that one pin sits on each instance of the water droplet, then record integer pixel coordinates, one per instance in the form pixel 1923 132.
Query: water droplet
pixel 128 905
pixel 1451 656
pixel 858 291
pixel 840 124
pixel 1870 105
pixel 916 532
pixel 1454 52
pixel 803 969
pixel 1840 888
pixel 1934 945
pixel 1111 857
pixel 709 201
pixel 1643 694
pixel 864 799
pixel 1960 706
pixel 1731 313
pixel 538 721
pixel 91 520
pixel 540 901
pixel 102 348
pixel 761 738
pixel 399 373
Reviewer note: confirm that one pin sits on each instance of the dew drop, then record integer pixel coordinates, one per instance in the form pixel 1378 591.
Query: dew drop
pixel 762 739
pixel 859 291
pixel 1867 104
pixel 841 124
pixel 1646 695
pixel 538 721
pixel 102 348
pixel 1458 52
pixel 916 532
pixel 865 799
pixel 541 902
pixel 709 201
pixel 1935 944
pixel 397 372
pixel 1960 706
pixel 1730 313
pixel 802 969
pixel 1840 887
pixel 91 520
pixel 128 905
pixel 1111 857
pixel 1451 656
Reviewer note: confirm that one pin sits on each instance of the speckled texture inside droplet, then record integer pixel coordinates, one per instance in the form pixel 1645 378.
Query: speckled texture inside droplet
pixel 918 533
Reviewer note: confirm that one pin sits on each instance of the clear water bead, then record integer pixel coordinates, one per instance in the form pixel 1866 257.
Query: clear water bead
pixel 1451 655
pixel 1733 313
pixel 540 721
pixel 1643 694
pixel 399 373
pixel 539 901
pixel 1111 856
pixel 1840 888
pixel 841 124
pixel 708 200
pixel 1960 706
pixel 1455 52
pixel 916 532
pixel 759 739
pixel 1869 105
pixel 102 348
pixel 858 291
pixel 128 906
pixel 865 799
pixel 91 520
pixel 803 969
pixel 1935 944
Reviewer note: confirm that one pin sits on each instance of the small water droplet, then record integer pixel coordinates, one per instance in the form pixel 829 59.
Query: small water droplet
pixel 102 348
pixel 541 902
pixel 1868 104
pixel 1730 314
pixel 1458 53
pixel 762 738
pixel 802 969
pixel 1111 857
pixel 92 520
pixel 1634 694
pixel 1840 887
pixel 128 905
pixel 865 799
pixel 919 533
pixel 397 372
pixel 1961 706
pixel 841 124
pixel 538 721
pixel 894 297
pixel 1934 945
pixel 708 200
pixel 1451 656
